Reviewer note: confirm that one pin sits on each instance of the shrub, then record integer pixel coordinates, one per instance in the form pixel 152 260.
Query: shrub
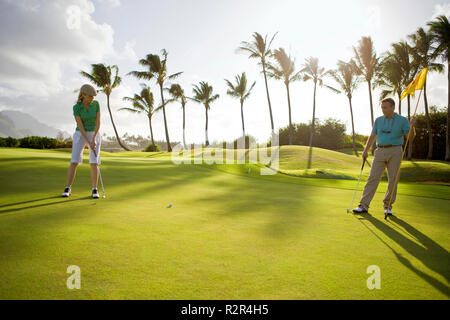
pixel 9 142
pixel 249 140
pixel 153 148
pixel 35 142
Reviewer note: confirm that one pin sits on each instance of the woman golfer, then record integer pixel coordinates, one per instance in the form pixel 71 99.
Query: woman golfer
pixel 87 116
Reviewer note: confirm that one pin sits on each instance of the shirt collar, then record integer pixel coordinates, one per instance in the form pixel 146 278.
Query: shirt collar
pixel 394 116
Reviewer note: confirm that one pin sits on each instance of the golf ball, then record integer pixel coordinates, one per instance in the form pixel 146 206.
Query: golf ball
pixel 170 205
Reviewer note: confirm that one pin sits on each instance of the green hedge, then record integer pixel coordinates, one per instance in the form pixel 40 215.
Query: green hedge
pixel 34 142
pixel 153 148
pixel 9 142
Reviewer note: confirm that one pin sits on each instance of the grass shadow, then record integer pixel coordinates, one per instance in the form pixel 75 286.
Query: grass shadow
pixel 432 255
pixel 29 201
pixel 41 205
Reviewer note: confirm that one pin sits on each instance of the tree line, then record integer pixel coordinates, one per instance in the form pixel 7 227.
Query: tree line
pixel 391 72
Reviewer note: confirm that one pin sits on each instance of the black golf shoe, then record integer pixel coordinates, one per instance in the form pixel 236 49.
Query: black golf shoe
pixel 67 192
pixel 95 194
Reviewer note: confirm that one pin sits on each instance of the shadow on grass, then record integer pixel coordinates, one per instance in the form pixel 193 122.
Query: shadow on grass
pixel 432 255
pixel 38 205
pixel 29 201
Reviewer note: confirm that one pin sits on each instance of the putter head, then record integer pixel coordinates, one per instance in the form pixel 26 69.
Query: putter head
pixel 348 210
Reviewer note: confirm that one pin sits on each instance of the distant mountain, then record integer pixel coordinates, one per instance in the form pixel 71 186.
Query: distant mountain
pixel 17 124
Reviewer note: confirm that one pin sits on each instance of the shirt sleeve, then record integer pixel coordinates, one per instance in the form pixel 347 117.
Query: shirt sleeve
pixel 405 126
pixel 374 129
pixel 76 111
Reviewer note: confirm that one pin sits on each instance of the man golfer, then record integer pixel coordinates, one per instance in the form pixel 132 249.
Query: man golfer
pixel 87 116
pixel 390 130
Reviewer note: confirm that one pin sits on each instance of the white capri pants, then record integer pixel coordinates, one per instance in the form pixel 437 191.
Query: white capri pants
pixel 78 144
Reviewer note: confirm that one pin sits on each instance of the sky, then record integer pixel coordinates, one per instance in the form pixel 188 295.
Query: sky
pixel 45 44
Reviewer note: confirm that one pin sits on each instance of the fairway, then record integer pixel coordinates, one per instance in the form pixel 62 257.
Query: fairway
pixel 230 234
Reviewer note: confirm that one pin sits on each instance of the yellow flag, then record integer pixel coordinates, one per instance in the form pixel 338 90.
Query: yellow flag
pixel 417 84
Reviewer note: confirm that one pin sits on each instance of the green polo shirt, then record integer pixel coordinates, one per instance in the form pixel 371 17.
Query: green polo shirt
pixel 87 117
pixel 390 131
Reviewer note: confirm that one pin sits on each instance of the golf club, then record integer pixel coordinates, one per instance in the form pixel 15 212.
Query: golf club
pixel 100 175
pixel 354 194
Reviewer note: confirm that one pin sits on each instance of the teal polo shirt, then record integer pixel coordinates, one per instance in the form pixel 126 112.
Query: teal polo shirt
pixel 390 131
pixel 87 117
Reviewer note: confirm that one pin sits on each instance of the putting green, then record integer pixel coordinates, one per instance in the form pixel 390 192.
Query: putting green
pixel 231 233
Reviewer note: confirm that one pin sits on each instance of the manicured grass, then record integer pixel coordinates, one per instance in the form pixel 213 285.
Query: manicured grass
pixel 231 233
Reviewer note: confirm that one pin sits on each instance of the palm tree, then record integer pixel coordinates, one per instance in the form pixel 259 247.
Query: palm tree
pixel 102 76
pixel 424 55
pixel 440 31
pixel 347 77
pixel 157 69
pixel 259 48
pixel 367 63
pixel 241 92
pixel 389 78
pixel 312 71
pixel 284 70
pixel 177 93
pixel 403 53
pixel 204 94
pixel 143 103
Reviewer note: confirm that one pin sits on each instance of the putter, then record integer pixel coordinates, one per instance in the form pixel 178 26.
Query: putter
pixel 100 175
pixel 354 194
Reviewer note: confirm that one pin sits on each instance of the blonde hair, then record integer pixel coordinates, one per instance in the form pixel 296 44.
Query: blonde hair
pixel 80 97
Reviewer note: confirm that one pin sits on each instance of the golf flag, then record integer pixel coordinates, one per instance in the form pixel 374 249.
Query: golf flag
pixel 417 84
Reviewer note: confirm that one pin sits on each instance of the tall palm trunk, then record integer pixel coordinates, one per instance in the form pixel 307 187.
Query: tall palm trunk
pixel 427 115
pixel 242 117
pixel 291 132
pixel 371 113
pixel 184 125
pixel 206 128
pixel 410 149
pixel 353 125
pixel 151 129
pixel 399 102
pixel 268 97
pixel 169 148
pixel 447 147
pixel 371 103
pixel 311 133
pixel 114 126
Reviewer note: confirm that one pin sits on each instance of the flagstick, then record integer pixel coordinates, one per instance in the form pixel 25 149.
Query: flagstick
pixel 406 147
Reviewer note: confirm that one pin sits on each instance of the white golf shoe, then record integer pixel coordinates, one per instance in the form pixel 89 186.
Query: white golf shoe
pixel 388 212
pixel 67 192
pixel 359 210
pixel 95 194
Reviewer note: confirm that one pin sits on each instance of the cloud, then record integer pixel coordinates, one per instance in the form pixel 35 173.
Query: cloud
pixel 40 39
pixel 128 51
pixel 112 3
pixel 374 17
pixel 441 9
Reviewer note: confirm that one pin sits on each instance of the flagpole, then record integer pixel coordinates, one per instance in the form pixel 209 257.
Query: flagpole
pixel 406 146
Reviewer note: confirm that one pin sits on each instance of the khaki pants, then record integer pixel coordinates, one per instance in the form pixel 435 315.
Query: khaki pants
pixel 383 157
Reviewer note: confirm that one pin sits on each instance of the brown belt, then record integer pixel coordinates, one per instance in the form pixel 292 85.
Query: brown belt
pixel 389 146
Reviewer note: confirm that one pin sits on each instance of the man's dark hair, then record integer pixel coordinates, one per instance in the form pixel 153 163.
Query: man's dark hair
pixel 389 100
